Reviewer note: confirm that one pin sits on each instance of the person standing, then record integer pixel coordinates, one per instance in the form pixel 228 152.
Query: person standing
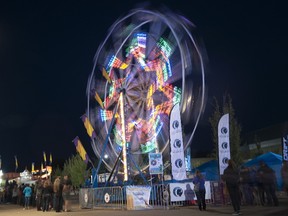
pixel 268 178
pixel 245 186
pixel 189 195
pixel 199 188
pixel 67 185
pixel 39 189
pixel 27 194
pixel 15 194
pixel 46 195
pixel 57 189
pixel 231 176
pixel 284 175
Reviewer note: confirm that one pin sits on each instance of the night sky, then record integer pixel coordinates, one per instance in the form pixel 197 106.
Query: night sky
pixel 46 56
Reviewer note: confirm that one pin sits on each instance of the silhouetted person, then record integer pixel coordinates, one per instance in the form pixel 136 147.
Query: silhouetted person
pixel 284 175
pixel 245 186
pixel 46 195
pixel 38 191
pixel 200 192
pixel 268 178
pixel 232 178
pixel 57 189
pixel 189 194
pixel 67 186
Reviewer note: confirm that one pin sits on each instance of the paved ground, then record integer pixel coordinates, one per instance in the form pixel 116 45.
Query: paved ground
pixel 282 209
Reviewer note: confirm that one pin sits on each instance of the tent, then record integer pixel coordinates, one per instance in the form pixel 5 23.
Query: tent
pixel 273 160
pixel 210 170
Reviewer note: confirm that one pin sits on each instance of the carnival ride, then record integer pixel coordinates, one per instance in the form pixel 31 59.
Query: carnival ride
pixel 149 61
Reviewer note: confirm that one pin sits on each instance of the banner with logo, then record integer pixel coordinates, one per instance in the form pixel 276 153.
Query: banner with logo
pixel 155 163
pixel 138 197
pixel 176 144
pixel 223 142
pixel 185 191
pixel 285 148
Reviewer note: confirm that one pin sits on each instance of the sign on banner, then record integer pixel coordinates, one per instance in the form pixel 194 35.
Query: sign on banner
pixel 155 163
pixel 138 197
pixel 184 191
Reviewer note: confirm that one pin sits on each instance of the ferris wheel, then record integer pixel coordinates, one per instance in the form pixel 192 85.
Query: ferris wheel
pixel 149 61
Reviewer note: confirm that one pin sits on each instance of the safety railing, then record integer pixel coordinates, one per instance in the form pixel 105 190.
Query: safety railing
pixel 162 196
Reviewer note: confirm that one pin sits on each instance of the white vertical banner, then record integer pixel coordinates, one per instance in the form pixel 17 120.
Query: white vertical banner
pixel 176 144
pixel 223 142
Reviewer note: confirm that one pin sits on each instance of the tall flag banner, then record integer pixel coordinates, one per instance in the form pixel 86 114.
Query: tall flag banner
pixel 88 126
pixel 42 167
pixel 32 167
pixel 285 148
pixel 16 162
pixel 44 157
pixel 155 163
pixel 80 149
pixel 176 145
pixel 223 142
pixel 50 159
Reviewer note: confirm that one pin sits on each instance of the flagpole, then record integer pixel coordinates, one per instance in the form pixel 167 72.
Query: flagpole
pixel 16 163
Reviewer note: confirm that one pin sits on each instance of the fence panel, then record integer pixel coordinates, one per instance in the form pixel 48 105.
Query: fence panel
pixel 108 197
pixel 116 197
pixel 86 198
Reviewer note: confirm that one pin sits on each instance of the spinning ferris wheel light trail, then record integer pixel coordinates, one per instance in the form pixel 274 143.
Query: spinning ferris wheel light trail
pixel 149 61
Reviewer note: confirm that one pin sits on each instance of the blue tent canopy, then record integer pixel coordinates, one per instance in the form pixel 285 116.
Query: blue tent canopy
pixel 210 169
pixel 273 160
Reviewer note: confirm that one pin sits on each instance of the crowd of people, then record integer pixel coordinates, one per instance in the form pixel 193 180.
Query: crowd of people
pixel 245 186
pixel 259 185
pixel 253 186
pixel 45 195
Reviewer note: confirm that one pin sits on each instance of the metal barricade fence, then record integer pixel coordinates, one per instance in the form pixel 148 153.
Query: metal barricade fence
pixel 86 198
pixel 115 197
pixel 108 197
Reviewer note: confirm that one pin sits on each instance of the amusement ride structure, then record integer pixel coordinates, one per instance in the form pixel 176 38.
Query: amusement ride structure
pixel 150 61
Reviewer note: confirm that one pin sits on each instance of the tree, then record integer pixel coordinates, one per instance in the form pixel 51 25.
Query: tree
pixel 75 167
pixel 56 172
pixel 234 128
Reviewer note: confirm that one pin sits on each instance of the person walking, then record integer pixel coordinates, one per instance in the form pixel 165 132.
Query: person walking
pixel 199 188
pixel 245 186
pixel 284 175
pixel 27 194
pixel 67 186
pixel 15 194
pixel 57 189
pixel 232 178
pixel 38 190
pixel 46 195
pixel 268 178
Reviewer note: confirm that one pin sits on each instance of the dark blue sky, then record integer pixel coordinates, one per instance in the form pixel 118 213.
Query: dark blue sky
pixel 46 56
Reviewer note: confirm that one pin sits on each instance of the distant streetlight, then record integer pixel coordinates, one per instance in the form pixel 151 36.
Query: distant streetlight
pixel 106 156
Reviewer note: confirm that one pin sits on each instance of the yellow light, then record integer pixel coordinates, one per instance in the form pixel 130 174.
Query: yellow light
pixel 124 152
